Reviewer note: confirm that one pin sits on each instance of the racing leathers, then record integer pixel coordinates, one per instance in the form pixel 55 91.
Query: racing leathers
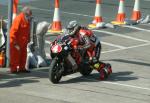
pixel 86 41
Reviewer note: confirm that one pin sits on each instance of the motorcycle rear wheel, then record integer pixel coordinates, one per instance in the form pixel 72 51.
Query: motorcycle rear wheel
pixel 85 69
pixel 54 72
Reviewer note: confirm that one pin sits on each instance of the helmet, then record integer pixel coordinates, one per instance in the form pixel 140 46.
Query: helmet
pixel 72 27
pixel 28 12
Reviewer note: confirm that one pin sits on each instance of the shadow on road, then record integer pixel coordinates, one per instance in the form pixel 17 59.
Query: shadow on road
pixel 130 62
pixel 16 82
pixel 122 76
pixel 13 80
pixel 119 76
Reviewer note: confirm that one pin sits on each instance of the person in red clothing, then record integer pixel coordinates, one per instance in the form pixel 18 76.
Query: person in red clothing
pixel 86 43
pixel 19 38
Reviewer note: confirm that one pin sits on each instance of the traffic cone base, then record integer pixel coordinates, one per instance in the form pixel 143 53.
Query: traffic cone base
pixel 95 21
pixel 52 31
pixel 118 23
pixel 119 19
pixel 92 25
pixel 136 15
pixel 56 27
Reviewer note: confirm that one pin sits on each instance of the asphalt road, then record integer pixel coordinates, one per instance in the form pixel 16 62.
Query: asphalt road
pixel 126 48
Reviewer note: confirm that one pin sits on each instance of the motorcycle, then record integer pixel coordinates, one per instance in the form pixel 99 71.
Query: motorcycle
pixel 66 60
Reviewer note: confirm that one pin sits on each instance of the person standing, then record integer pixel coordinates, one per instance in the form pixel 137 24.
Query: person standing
pixel 19 38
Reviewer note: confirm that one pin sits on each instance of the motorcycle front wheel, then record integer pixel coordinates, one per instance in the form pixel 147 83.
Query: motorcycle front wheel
pixel 55 71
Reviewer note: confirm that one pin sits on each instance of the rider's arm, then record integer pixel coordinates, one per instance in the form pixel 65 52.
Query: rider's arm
pixel 86 44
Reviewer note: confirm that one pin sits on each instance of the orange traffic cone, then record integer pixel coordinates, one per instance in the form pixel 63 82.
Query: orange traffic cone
pixel 15 8
pixel 136 14
pixel 121 14
pixel 56 25
pixel 98 15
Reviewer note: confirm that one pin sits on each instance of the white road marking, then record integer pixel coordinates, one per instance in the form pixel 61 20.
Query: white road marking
pixel 146 24
pixel 77 14
pixel 114 83
pixel 126 85
pixel 114 45
pixel 61 12
pixel 131 47
pixel 123 36
pixel 137 28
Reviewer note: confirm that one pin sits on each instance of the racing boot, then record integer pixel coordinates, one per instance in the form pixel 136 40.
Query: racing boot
pixel 102 71
pixel 105 70
pixel 102 74
pixel 108 69
pixel 99 67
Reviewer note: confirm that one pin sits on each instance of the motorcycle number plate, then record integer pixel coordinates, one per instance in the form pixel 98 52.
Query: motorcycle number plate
pixel 56 48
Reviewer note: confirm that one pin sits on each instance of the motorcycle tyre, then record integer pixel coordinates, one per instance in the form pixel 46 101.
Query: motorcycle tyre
pixel 52 75
pixel 85 69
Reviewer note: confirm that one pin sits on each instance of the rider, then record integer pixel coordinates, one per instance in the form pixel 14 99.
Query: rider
pixel 84 36
pixel 86 40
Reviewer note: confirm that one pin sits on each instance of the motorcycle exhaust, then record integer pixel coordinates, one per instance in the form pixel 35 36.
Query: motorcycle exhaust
pixel 72 62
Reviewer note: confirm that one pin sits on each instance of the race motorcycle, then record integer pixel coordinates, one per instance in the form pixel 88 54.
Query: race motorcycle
pixel 66 60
